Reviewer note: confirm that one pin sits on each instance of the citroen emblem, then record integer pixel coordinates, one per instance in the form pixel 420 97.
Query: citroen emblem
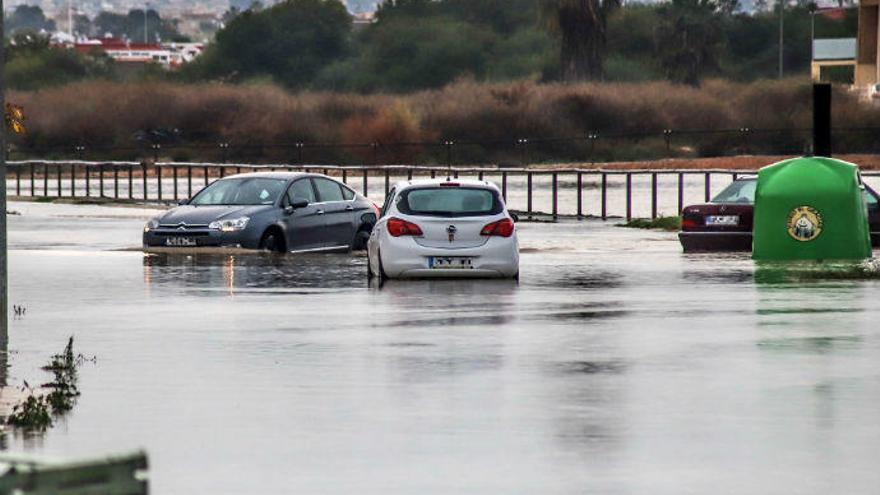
pixel 451 230
pixel 181 226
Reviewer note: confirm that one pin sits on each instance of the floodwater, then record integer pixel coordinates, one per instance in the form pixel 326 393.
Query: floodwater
pixel 617 365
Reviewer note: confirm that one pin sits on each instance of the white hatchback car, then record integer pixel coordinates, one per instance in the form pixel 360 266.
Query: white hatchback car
pixel 444 228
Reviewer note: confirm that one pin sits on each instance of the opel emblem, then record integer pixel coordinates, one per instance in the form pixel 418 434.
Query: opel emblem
pixel 451 230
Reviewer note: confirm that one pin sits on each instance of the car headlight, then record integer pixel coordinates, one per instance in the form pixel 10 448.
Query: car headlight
pixel 230 225
pixel 151 225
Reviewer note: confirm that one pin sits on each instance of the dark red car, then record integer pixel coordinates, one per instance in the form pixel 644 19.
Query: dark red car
pixel 725 223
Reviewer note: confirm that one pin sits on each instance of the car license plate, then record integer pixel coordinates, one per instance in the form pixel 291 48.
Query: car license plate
pixel 450 263
pixel 720 220
pixel 180 241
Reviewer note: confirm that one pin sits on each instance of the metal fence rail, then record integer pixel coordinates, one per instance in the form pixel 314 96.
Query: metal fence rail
pixel 574 192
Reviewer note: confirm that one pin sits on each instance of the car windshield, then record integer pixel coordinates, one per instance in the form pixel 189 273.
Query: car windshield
pixel 449 202
pixel 244 191
pixel 739 191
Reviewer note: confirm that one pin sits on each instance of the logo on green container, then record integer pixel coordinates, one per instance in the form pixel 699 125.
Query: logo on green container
pixel 804 223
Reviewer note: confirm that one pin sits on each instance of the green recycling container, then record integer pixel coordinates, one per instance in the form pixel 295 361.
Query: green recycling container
pixel 810 208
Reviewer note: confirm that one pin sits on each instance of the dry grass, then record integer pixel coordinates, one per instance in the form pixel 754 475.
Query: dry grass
pixel 106 113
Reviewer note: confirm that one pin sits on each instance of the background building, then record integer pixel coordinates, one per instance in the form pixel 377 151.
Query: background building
pixel 867 62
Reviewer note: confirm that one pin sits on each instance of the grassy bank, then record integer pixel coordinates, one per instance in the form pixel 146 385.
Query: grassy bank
pixel 484 120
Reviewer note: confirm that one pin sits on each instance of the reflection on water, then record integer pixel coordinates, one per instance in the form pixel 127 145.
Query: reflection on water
pixel 253 272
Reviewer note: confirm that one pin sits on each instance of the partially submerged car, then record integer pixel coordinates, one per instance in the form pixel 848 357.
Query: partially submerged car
pixel 444 228
pixel 275 211
pixel 725 223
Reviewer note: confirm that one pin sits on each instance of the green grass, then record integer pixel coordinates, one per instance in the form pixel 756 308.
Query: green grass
pixel 661 223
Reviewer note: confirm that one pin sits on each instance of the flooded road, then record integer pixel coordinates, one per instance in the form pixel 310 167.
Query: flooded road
pixel 617 365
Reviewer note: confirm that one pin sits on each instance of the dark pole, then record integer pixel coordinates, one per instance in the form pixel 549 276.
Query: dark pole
pixel 4 289
pixel 781 33
pixel 822 119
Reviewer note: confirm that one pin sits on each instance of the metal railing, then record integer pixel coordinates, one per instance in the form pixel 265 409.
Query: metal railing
pixel 532 191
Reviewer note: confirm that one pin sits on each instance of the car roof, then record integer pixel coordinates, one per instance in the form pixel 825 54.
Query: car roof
pixel 273 175
pixel 408 184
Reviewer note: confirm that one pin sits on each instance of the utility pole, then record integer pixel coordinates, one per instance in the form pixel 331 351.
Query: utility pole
pixel 781 32
pixel 4 280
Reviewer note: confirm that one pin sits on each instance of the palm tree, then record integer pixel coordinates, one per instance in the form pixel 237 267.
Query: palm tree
pixel 582 26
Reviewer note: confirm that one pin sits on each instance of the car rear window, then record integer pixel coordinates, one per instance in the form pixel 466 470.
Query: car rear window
pixel 449 201
pixel 739 191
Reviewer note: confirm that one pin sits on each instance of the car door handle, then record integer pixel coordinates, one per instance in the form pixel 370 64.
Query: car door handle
pixel 349 208
pixel 319 212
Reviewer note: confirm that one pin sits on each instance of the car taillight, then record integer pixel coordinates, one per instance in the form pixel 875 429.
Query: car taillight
pixel 688 223
pixel 450 184
pixel 503 228
pixel 398 227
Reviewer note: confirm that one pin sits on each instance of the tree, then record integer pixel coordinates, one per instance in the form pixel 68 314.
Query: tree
pixel 689 39
pixel 289 42
pixel 26 18
pixel 581 24
pixel 33 64
pixel 131 26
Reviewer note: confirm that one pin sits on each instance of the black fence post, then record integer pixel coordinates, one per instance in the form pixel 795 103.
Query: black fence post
pixel 653 195
pixel 708 187
pixel 628 196
pixel 130 182
pixel 144 180
pixel 604 196
pixel 158 182
pixel 504 186
pixel 387 182
pixel 72 180
pixel 18 180
pixel 33 173
pixel 555 186
pixel 58 178
pixel 366 174
pixel 680 192
pixel 529 192
pixel 45 179
pixel 580 194
pixel 189 181
pixel 100 180
pixel 207 172
pixel 88 181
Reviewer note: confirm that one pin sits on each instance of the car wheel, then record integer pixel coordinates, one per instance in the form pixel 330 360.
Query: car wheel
pixel 359 243
pixel 272 242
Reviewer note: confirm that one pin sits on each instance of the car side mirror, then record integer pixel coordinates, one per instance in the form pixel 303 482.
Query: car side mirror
pixel 298 203
pixel 183 202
